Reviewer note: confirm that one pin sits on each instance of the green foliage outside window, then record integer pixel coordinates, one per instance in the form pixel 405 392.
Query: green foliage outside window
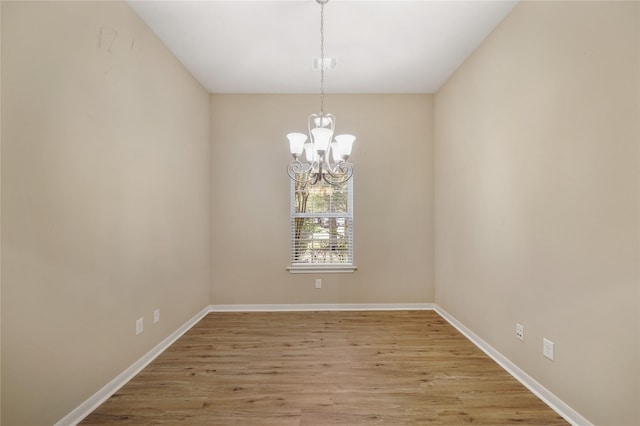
pixel 323 238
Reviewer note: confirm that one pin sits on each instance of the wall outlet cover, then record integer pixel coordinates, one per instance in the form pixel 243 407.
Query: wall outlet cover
pixel 547 348
pixel 520 332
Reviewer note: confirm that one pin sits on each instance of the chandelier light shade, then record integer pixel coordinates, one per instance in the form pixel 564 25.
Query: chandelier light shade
pixel 296 143
pixel 325 158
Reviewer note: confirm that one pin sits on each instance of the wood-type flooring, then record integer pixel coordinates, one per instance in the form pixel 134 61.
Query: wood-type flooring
pixel 323 368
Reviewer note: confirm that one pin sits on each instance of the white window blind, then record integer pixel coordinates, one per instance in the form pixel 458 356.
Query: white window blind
pixel 321 224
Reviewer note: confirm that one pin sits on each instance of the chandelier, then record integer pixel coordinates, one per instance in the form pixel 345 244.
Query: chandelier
pixel 325 160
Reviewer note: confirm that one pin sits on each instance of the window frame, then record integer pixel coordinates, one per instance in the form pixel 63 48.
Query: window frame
pixel 335 267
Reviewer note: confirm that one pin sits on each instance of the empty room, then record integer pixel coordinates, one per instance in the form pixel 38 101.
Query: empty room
pixel 311 212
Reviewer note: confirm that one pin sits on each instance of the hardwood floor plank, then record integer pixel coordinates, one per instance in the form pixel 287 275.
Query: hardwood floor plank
pixel 324 368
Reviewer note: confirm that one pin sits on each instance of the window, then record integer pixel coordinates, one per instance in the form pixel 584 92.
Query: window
pixel 322 227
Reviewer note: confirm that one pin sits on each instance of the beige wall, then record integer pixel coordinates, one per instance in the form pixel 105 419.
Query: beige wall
pixel 105 200
pixel 537 215
pixel 393 198
pixel 111 196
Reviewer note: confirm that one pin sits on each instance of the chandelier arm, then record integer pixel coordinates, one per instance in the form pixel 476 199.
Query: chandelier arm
pixel 307 180
pixel 339 169
pixel 310 120
pixel 316 178
pixel 336 182
pixel 297 169
pixel 332 121
pixel 341 173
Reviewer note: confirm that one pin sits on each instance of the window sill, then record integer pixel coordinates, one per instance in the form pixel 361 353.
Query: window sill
pixel 321 269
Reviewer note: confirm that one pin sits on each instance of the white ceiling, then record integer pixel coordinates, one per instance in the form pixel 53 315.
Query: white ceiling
pixel 265 46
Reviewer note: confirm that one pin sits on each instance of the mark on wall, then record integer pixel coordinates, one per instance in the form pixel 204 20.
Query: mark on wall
pixel 106 37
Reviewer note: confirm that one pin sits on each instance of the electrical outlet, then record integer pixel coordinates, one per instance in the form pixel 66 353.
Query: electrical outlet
pixel 520 332
pixel 139 326
pixel 318 282
pixel 547 348
pixel 156 316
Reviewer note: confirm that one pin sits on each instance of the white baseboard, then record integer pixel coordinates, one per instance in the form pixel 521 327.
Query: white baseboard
pixel 323 307
pixel 87 407
pixel 568 413
pixel 84 409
